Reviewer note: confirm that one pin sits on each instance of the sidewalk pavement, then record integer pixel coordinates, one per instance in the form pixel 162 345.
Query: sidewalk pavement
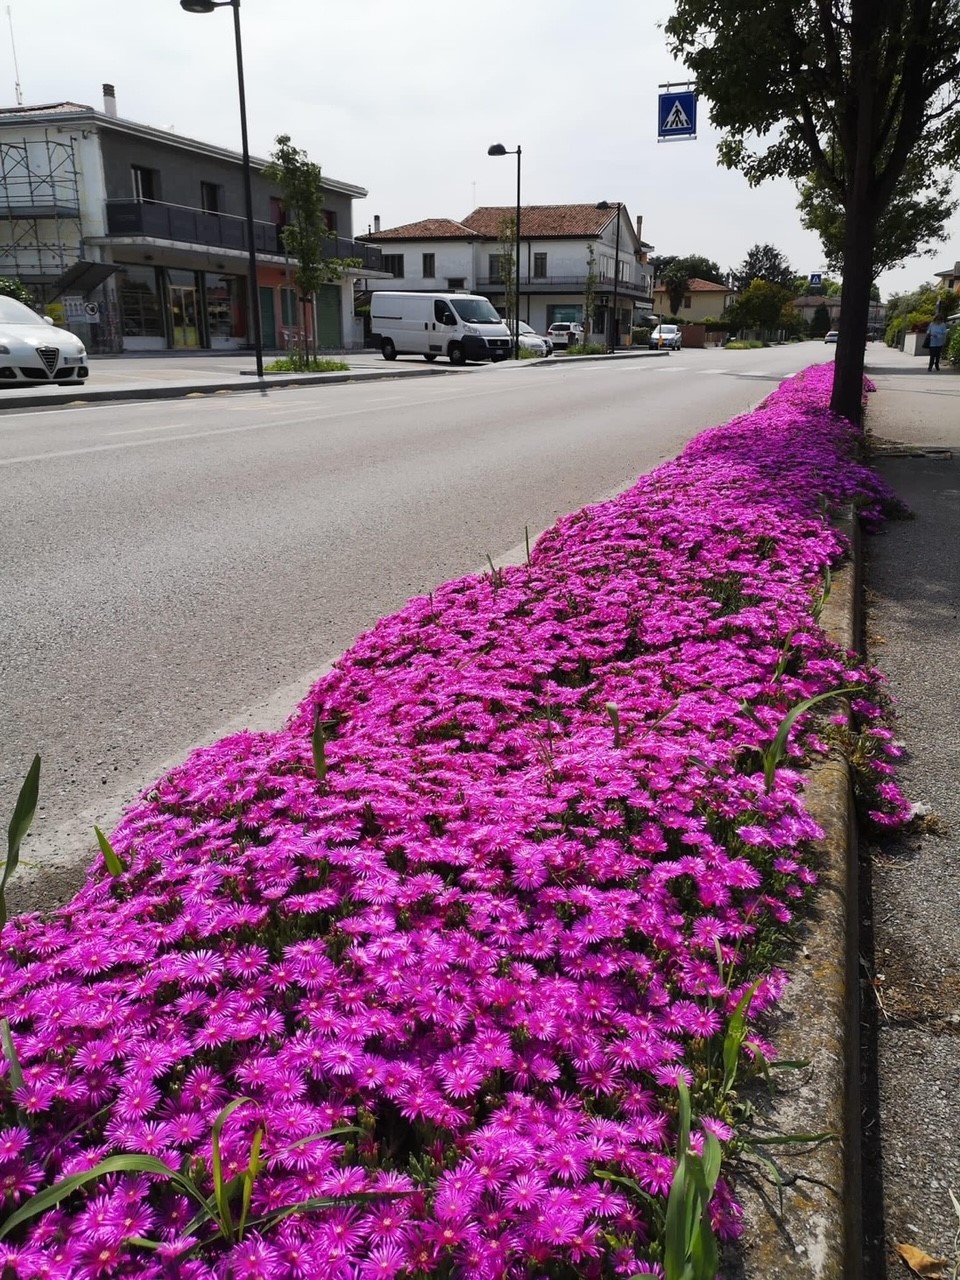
pixel 911 884
pixel 168 375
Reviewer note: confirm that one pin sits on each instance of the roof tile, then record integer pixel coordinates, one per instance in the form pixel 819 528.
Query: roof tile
pixel 541 220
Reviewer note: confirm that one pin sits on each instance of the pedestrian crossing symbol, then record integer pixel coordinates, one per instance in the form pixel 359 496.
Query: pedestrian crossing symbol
pixel 678 115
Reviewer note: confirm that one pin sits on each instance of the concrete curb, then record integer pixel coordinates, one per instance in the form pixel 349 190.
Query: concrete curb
pixel 177 391
pixel 817 1236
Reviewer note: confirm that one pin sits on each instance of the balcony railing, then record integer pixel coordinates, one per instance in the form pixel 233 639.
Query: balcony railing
pixel 184 225
pixel 568 284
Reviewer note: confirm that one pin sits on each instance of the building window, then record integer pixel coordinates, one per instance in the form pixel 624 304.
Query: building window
pixel 539 266
pixel 686 300
pixel 289 313
pixel 211 197
pixel 278 214
pixel 146 183
pixel 330 220
pixel 429 266
pixel 457 282
pixel 393 262
pixel 141 313
pixel 501 265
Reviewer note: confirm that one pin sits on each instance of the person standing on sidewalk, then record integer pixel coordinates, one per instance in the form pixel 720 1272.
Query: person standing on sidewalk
pixel 936 340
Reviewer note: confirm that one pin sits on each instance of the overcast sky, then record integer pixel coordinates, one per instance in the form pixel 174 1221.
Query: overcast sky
pixel 403 97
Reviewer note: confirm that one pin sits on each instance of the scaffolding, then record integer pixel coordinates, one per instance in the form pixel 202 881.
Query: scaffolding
pixel 40 225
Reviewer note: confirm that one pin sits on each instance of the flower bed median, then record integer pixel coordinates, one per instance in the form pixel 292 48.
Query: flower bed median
pixel 467 933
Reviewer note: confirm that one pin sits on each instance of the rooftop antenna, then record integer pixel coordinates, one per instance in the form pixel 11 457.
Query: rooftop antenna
pixel 16 69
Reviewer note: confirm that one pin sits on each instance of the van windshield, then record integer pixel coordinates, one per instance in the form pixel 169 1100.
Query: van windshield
pixel 475 310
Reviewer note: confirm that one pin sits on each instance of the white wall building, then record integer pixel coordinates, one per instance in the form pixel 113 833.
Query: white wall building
pixel 440 254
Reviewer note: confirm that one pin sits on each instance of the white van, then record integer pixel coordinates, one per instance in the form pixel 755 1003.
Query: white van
pixel 460 326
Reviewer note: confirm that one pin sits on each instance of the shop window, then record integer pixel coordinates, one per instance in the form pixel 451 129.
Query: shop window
pixel 146 182
pixel 539 266
pixel 141 313
pixel 429 266
pixel 393 262
pixel 224 310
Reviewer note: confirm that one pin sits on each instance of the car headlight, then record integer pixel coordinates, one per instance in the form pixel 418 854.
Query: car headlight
pixel 471 328
pixel 82 353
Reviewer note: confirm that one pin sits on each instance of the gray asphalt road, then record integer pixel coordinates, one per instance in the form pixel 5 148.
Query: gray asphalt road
pixel 172 570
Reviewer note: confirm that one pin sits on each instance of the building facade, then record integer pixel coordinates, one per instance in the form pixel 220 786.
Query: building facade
pixel 560 245
pixel 137 237
pixel 702 300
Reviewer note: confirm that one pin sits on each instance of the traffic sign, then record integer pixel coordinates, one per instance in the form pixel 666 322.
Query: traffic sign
pixel 816 277
pixel 91 313
pixel 678 114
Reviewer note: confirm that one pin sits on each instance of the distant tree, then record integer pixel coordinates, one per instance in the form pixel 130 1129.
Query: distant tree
pixel 305 232
pixel 761 306
pixel 852 91
pixel 916 215
pixel 698 267
pixel 675 281
pixel 820 324
pixel 763 262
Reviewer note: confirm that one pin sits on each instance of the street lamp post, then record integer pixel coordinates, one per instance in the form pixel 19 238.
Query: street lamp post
pixel 498 149
pixel 616 276
pixel 208 6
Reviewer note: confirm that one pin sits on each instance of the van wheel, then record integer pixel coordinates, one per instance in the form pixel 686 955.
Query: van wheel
pixel 456 354
pixel 430 357
pixel 388 349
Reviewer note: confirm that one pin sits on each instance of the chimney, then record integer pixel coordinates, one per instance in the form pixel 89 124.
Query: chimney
pixel 639 226
pixel 376 223
pixel 110 100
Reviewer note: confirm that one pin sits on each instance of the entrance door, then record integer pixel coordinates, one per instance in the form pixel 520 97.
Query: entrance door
pixel 184 317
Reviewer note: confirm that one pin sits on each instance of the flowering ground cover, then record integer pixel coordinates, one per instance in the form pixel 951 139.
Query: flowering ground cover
pixel 457 940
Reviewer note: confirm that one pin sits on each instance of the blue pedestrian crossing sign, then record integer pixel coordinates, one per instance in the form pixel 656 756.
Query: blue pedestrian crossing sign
pixel 678 114
pixel 816 278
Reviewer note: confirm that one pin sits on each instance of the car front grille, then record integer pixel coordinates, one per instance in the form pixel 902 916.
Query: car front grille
pixel 500 342
pixel 49 356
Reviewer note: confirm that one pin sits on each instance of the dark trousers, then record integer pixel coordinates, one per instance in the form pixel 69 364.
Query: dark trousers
pixel 935 353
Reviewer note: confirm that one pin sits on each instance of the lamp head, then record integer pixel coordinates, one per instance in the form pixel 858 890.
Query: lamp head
pixel 198 6
pixel 498 149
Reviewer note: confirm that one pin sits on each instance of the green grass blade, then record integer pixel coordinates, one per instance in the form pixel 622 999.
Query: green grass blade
pixel 222 1190
pixel 10 1053
pixel 111 861
pixel 23 814
pixel 249 1178
pixel 51 1196
pixel 733 1040
pixel 777 749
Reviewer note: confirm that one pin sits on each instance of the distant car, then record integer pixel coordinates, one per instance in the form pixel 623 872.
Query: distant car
pixel 563 334
pixel 33 351
pixel 530 340
pixel 665 335
pixel 832 336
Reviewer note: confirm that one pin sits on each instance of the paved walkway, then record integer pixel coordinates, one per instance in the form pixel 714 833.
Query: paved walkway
pixel 911 934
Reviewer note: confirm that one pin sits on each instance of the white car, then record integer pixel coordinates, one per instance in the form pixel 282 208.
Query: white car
pixel 34 352
pixel 562 334
pixel 530 340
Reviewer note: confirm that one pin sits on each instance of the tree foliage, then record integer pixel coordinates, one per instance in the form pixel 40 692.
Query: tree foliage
pixel 763 306
pixel 849 91
pixel 763 262
pixel 675 273
pixel 10 288
pixel 915 216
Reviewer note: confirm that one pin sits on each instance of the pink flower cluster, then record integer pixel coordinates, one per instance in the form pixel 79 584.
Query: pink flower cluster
pixel 517 910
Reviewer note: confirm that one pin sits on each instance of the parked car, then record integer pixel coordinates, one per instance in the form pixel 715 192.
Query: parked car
pixel 666 335
pixel 530 340
pixel 33 350
pixel 832 336
pixel 564 334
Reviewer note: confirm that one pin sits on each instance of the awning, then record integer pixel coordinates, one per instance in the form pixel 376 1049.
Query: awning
pixel 83 277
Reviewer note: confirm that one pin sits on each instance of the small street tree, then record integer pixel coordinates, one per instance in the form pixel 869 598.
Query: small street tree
pixel 675 281
pixel 849 91
pixel 589 293
pixel 305 232
pixel 820 324
pixel 763 306
pixel 506 244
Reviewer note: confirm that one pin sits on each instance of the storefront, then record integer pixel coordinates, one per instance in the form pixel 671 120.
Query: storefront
pixel 164 308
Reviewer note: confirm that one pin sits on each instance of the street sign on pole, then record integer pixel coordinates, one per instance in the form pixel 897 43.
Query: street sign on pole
pixel 677 114
pixel 816 277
